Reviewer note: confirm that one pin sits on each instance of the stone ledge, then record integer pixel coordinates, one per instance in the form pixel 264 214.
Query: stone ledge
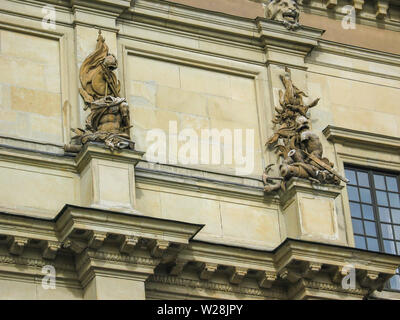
pixel 362 139
pixel 97 151
pixel 295 185
pixel 145 172
pixel 74 218
pixel 95 237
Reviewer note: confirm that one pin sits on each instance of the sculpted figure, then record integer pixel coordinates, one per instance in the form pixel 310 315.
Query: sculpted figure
pixel 108 121
pixel 299 148
pixel 286 11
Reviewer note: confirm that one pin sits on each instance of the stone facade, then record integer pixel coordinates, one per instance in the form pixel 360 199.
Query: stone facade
pixel 115 225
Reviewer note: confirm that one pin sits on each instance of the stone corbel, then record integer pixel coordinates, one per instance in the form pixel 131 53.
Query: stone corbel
pixel 382 7
pixel 372 280
pixel 128 244
pixel 50 249
pixel 17 245
pixel 238 275
pixel 178 267
pixel 311 270
pixel 340 273
pixel 290 275
pixel 207 271
pixel 331 3
pixel 158 247
pixel 358 4
pixel 76 246
pixel 96 239
pixel 267 279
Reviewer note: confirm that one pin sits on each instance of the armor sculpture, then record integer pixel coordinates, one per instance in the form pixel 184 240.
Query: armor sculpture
pixel 108 121
pixel 299 148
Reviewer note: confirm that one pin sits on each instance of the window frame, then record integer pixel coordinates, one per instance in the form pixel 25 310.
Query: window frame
pixel 375 209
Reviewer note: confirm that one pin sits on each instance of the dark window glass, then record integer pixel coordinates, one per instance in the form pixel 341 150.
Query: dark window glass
pixel 384 214
pixel 381 198
pixel 351 175
pixel 362 179
pixel 396 232
pixel 389 246
pixel 368 212
pixel 373 244
pixel 353 193
pixel 358 226
pixel 394 200
pixel 360 242
pixel 395 216
pixel 391 184
pixel 370 228
pixel 387 231
pixel 375 212
pixel 379 182
pixel 355 210
pixel 365 195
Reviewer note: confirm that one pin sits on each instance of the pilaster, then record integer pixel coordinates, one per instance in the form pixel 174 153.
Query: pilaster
pixel 114 275
pixel 107 179
pixel 310 211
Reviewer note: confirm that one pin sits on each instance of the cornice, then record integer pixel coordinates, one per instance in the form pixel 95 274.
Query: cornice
pixel 178 16
pixel 304 289
pixel 169 15
pixel 111 6
pixel 358 52
pixel 202 181
pixel 353 52
pixel 228 256
pixel 308 36
pixel 72 218
pixel 153 174
pixel 368 140
pixel 210 285
pixel 29 227
pixel 95 262
pixel 295 250
pixel 36 263
pixel 367 15
pixel 150 242
pixel 37 158
pixel 122 258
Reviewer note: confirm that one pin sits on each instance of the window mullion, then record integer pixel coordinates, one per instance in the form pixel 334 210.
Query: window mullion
pixel 375 210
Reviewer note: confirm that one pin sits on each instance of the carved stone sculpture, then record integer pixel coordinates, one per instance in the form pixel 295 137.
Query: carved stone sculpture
pixel 108 121
pixel 286 11
pixel 297 146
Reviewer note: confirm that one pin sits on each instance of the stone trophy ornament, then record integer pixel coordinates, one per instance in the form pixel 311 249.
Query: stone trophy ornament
pixel 108 121
pixel 286 11
pixel 299 149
